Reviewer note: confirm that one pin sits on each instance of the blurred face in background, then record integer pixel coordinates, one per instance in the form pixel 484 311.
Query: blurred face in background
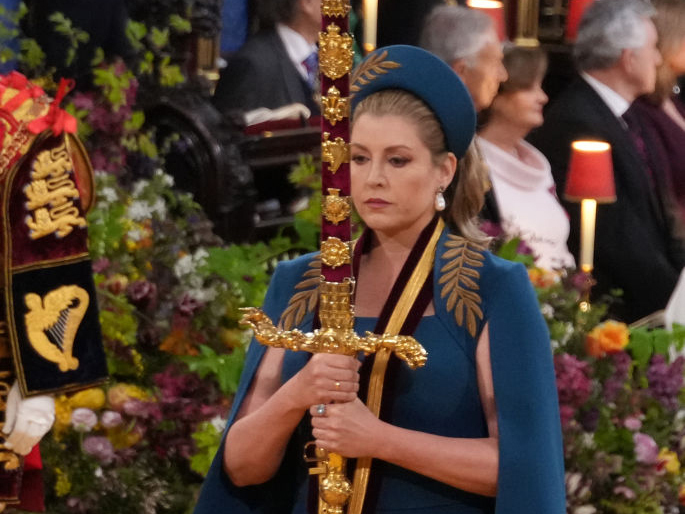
pixel 641 63
pixel 483 73
pixel 521 108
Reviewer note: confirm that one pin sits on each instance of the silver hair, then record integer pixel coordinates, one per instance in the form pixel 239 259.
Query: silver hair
pixel 607 28
pixel 453 32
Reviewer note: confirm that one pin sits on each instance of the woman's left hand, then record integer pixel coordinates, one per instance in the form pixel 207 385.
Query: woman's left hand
pixel 349 429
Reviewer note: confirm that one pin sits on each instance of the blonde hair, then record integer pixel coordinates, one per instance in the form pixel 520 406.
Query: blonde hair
pixel 465 195
pixel 670 26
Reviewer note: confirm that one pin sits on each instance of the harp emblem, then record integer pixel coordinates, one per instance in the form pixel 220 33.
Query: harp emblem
pixel 52 322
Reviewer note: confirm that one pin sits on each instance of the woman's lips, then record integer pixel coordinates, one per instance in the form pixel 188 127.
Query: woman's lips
pixel 376 202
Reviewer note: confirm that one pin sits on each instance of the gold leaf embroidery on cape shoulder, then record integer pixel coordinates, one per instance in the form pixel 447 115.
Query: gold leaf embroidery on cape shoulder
pixel 305 300
pixel 460 279
pixel 374 66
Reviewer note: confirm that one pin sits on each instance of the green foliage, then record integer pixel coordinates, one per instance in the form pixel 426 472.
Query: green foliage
pixel 207 440
pixel 225 368
pixel 75 35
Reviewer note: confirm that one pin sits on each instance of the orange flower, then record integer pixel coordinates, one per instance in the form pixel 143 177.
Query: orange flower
pixel 608 337
pixel 542 278
pixel 179 342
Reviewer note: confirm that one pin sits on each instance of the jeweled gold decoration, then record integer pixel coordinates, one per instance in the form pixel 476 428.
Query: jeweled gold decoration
pixel 334 152
pixel 332 340
pixel 336 54
pixel 52 322
pixel 337 8
pixel 335 107
pixel 374 66
pixel 460 279
pixel 335 208
pixel 335 252
pixel 51 195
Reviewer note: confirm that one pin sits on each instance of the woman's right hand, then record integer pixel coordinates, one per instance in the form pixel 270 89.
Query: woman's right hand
pixel 327 378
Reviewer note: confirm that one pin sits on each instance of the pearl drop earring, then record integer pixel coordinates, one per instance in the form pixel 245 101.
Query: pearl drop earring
pixel 440 203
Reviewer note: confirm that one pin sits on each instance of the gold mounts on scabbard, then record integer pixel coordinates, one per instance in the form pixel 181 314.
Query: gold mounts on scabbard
pixel 334 107
pixel 335 252
pixel 334 152
pixel 338 8
pixel 336 55
pixel 335 208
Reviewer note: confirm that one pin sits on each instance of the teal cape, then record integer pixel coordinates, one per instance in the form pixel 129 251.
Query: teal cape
pixel 531 462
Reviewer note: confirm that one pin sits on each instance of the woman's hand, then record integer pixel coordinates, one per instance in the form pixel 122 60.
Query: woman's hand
pixel 326 378
pixel 349 429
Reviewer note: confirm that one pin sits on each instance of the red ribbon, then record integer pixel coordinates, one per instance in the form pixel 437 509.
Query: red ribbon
pixel 56 119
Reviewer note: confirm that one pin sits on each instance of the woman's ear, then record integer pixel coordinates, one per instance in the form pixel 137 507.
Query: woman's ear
pixel 447 169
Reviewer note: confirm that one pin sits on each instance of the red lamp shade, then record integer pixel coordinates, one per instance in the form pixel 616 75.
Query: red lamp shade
pixel 494 9
pixel 576 8
pixel 590 172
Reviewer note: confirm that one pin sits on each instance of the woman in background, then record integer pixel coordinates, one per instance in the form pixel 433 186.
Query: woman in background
pixel 521 176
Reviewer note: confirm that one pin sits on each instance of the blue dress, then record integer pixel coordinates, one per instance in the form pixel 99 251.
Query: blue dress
pixel 441 398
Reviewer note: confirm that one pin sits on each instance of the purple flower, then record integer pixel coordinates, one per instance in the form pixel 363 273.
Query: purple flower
pixel 99 447
pixel 142 294
pixel 188 305
pixel 566 413
pixel 111 419
pixel 141 409
pixel 491 229
pixel 632 423
pixel 665 381
pixel 523 248
pixel 614 384
pixel 624 491
pixel 573 383
pixel 646 450
pixel 101 265
pixel 581 281
pixel 83 419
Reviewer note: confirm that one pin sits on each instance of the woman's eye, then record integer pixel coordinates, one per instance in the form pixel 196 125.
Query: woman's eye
pixel 359 159
pixel 398 162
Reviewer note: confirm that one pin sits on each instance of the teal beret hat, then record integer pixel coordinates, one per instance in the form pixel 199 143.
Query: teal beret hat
pixel 426 76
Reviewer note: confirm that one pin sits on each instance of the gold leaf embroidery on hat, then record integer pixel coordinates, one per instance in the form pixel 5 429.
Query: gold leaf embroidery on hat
pixel 52 322
pixel 460 281
pixel 370 69
pixel 306 299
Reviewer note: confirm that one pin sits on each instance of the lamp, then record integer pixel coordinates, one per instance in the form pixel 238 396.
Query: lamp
pixel 576 8
pixel 494 9
pixel 590 180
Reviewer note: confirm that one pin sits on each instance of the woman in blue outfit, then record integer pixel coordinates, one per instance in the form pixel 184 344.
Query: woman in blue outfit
pixel 476 430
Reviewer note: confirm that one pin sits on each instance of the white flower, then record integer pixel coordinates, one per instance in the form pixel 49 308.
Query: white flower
pixel 139 187
pixel 200 256
pixel 98 472
pixel 585 509
pixel 108 194
pixel 547 310
pixel 184 266
pixel 139 211
pixel 219 423
pixel 159 208
pixel 167 180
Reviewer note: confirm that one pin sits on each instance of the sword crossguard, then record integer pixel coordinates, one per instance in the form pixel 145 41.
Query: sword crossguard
pixel 332 340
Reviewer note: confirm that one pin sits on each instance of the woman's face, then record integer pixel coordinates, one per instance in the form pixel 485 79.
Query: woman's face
pixel 675 58
pixel 522 108
pixel 394 179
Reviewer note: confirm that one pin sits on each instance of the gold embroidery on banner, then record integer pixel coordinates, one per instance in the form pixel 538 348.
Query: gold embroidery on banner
pixel 51 194
pixel 335 252
pixel 52 323
pixel 335 7
pixel 335 52
pixel 335 108
pixel 460 281
pixel 9 460
pixel 374 66
pixel 335 208
pixel 305 300
pixel 335 152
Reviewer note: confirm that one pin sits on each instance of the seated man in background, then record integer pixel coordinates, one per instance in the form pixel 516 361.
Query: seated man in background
pixel 466 39
pixel 636 246
pixel 278 65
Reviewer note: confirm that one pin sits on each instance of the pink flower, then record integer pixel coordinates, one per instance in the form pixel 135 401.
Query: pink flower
pixel 625 492
pixel 573 382
pixel 83 419
pixel 567 412
pixel 632 423
pixel 646 450
pixel 99 447
pixel 110 419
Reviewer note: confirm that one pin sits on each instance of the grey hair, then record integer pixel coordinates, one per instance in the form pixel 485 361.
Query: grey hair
pixel 607 28
pixel 454 32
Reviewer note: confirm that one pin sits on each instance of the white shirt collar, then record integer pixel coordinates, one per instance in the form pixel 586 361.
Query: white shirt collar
pixel 296 45
pixel 614 101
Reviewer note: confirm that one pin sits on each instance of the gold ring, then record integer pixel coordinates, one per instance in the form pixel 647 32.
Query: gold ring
pixel 337 385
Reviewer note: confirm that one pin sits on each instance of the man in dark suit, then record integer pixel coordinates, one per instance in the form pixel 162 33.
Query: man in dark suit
pixel 276 66
pixel 636 248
